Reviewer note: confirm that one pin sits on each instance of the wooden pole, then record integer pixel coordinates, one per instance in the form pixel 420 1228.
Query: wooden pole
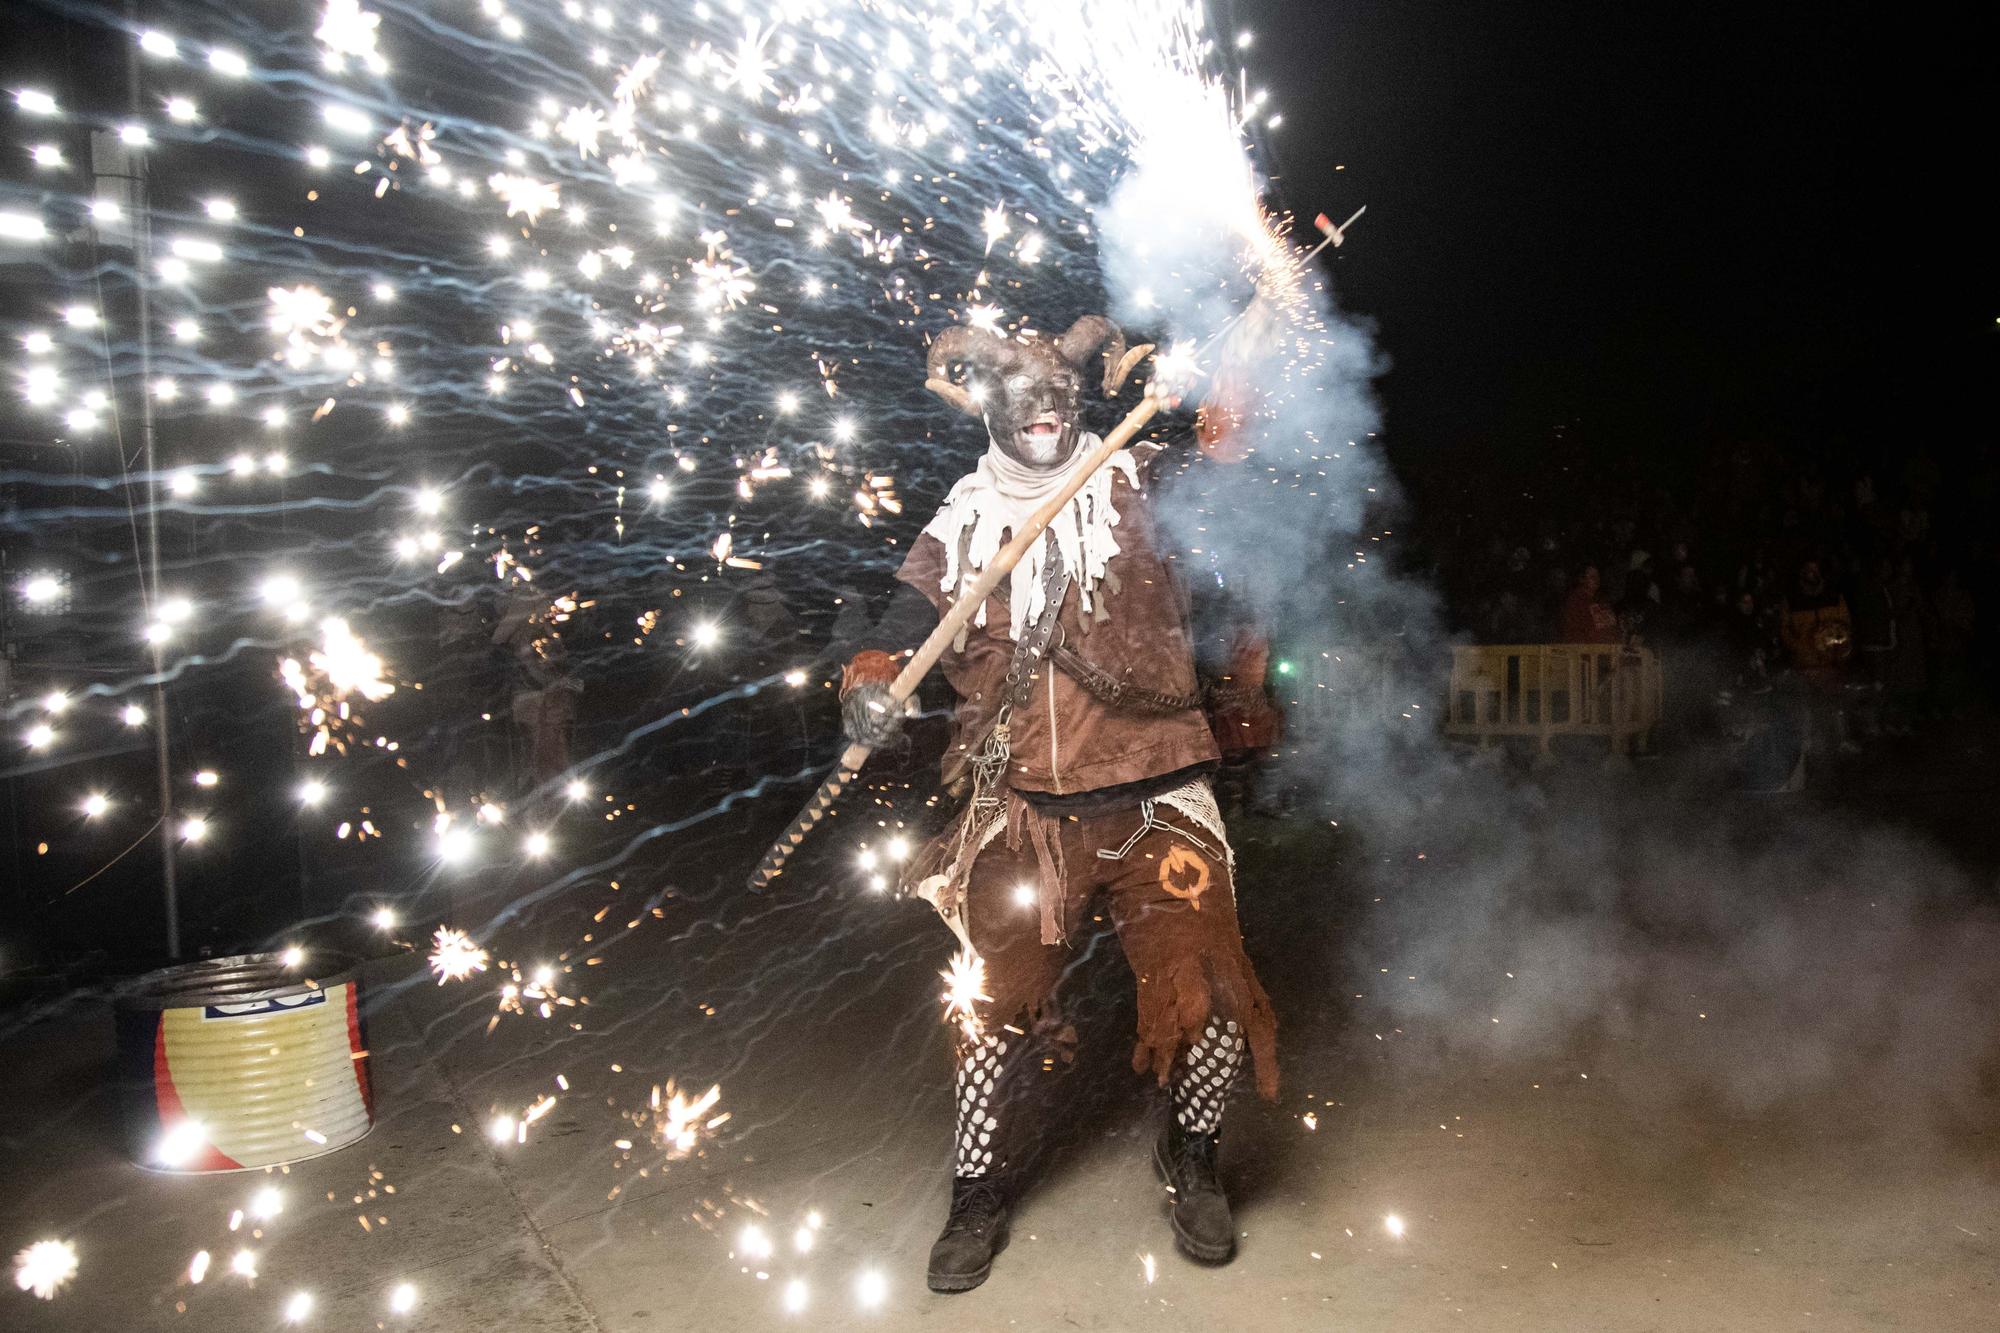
pixel 932 648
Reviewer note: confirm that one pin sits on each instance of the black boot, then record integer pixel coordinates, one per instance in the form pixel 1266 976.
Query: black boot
pixel 1203 1228
pixel 973 1234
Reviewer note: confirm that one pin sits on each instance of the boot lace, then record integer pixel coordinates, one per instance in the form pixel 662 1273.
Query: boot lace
pixel 1193 1158
pixel 975 1205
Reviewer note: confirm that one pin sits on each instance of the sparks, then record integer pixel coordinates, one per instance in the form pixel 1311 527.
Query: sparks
pixel 965 989
pixel 750 70
pixel 454 956
pixel 679 1119
pixel 995 226
pixel 985 317
pixel 521 194
pixel 301 311
pixel 640 286
pixel 583 126
pixel 347 31
pixel 45 1268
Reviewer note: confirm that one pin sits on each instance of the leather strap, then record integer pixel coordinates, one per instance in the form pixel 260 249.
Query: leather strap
pixel 1028 650
pixel 1109 689
pixel 1033 644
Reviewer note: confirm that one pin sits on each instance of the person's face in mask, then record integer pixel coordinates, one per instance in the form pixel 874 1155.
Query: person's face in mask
pixel 1031 405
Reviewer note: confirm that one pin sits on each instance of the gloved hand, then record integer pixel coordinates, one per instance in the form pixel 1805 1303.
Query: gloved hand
pixel 869 713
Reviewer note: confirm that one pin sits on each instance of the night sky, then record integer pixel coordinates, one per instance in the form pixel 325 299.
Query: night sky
pixel 1666 224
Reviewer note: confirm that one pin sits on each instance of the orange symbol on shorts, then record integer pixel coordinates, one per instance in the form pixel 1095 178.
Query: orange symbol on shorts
pixel 1184 875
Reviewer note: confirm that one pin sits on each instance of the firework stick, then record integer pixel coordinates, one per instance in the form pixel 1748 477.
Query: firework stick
pixel 941 638
pixel 1334 235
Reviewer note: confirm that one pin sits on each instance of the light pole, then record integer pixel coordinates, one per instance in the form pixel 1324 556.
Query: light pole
pixel 118 171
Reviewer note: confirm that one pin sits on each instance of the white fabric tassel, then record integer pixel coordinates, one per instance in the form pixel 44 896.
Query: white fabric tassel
pixel 998 497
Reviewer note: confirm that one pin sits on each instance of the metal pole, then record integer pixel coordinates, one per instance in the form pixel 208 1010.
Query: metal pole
pixel 149 581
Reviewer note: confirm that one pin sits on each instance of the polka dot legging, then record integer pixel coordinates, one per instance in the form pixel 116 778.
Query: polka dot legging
pixel 1202 1083
pixel 1200 1091
pixel 979 1070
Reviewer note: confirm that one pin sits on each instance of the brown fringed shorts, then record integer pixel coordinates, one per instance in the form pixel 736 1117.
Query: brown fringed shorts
pixel 1174 907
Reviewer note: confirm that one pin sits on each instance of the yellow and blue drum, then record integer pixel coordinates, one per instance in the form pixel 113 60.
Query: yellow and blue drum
pixel 241 1063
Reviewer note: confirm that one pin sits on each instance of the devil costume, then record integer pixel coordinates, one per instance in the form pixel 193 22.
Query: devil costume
pixel 1080 734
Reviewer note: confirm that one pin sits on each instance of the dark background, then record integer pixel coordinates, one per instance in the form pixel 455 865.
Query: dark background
pixel 1667 224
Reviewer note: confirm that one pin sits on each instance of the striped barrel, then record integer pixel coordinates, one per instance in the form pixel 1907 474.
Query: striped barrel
pixel 242 1063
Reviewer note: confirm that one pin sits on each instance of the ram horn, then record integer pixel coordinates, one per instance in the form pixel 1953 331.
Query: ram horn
pixel 1092 332
pixel 1115 375
pixel 958 343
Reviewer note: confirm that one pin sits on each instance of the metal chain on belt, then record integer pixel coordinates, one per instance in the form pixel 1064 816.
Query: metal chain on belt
pixel 1241 695
pixel 988 758
pixel 988 762
pixel 1043 641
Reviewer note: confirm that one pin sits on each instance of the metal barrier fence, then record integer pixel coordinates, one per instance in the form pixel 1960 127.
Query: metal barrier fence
pixel 1545 690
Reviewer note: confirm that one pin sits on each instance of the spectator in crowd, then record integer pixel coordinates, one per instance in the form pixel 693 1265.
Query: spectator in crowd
pixel 1640 600
pixel 1952 624
pixel 1818 630
pixel 1586 616
pixel 1751 644
pixel 1514 617
pixel 1735 531
pixel 1685 606
pixel 546 687
pixel 765 640
pixel 1875 625
pixel 1909 664
pixel 1818 633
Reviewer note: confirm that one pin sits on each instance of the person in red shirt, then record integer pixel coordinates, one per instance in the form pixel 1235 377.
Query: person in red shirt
pixel 1586 616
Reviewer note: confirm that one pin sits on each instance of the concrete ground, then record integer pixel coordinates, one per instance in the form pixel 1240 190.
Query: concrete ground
pixel 1563 1184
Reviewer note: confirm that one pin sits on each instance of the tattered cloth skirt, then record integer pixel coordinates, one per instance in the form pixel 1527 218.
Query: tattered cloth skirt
pixel 1165 870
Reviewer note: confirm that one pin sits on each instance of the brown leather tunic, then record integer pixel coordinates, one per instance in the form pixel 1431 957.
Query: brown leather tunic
pixel 1063 739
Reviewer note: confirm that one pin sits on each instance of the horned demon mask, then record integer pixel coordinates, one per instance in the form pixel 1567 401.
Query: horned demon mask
pixel 1029 391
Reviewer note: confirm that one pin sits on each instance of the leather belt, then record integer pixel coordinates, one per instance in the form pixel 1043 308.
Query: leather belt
pixel 1115 692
